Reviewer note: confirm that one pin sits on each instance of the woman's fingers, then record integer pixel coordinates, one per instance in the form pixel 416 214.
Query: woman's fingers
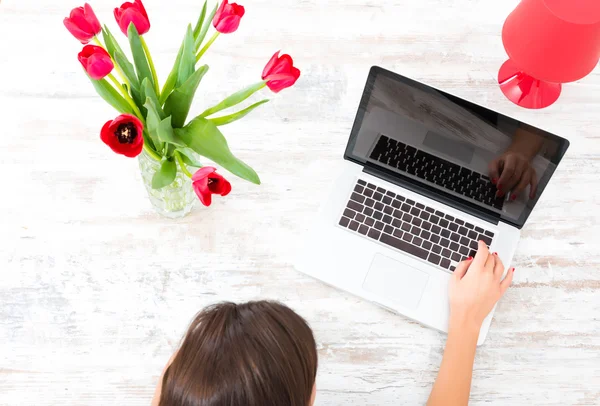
pixel 525 180
pixel 461 268
pixel 498 268
pixel 534 184
pixel 490 263
pixel 481 256
pixel 506 282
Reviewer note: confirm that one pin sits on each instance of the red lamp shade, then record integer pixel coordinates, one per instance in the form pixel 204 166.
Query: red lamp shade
pixel 549 42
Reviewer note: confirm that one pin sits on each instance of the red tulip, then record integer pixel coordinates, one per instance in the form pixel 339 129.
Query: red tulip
pixel 83 23
pixel 228 17
pixel 206 182
pixel 96 61
pixel 132 13
pixel 280 72
pixel 124 135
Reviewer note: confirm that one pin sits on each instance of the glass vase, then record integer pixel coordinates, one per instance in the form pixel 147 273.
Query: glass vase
pixel 173 201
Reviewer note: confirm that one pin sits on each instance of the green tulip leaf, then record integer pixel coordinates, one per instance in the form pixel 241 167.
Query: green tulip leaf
pixel 111 96
pixel 234 99
pixel 204 138
pixel 165 175
pixel 171 80
pixel 189 157
pixel 139 56
pixel 160 130
pixel 127 69
pixel 112 45
pixel 178 104
pixel 207 22
pixel 236 116
pixel 198 26
pixel 149 93
pixel 188 58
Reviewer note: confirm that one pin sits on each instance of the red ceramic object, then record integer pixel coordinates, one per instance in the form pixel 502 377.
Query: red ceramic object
pixel 549 42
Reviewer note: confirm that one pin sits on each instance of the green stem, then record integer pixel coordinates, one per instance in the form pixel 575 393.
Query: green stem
pixel 208 44
pixel 151 63
pixel 152 154
pixel 117 68
pixel 126 96
pixel 182 165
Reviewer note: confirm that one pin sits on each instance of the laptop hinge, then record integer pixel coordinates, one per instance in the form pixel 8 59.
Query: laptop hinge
pixel 415 187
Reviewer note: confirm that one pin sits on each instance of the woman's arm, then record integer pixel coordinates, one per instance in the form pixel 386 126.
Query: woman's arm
pixel 473 295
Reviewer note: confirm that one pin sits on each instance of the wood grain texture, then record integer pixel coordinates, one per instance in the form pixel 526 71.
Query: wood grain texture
pixel 96 290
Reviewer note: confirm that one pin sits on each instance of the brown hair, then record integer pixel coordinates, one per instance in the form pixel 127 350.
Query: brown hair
pixel 252 354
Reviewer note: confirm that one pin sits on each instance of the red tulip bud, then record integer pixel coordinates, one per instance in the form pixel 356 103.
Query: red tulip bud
pixel 96 61
pixel 83 23
pixel 280 72
pixel 132 13
pixel 228 17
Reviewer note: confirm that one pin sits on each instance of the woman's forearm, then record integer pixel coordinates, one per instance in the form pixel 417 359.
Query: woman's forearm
pixel 453 384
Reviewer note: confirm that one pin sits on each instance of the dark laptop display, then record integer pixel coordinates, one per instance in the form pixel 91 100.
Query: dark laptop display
pixel 457 152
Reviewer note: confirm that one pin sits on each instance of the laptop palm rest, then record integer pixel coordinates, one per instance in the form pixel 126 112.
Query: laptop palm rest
pixel 395 281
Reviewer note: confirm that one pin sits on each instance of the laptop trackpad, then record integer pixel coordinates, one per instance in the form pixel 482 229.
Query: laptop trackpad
pixel 395 281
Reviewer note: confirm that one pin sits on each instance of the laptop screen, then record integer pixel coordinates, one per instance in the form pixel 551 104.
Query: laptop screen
pixel 460 151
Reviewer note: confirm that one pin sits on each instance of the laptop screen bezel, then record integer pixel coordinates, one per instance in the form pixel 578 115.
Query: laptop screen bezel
pixel 421 187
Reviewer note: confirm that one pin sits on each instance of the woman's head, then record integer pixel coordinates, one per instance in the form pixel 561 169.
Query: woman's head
pixel 252 354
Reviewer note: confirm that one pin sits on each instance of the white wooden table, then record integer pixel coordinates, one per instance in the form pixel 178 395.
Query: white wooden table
pixel 96 290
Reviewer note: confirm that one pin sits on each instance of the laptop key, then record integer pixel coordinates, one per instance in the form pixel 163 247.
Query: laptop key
pixel 472 235
pixel 378 206
pixel 444 223
pixel 381 190
pixel 363 229
pixel 406 226
pixel 368 192
pixel 344 221
pixel 456 257
pixel 420 206
pixel 454 246
pixel 374 233
pixel 462 231
pixel 405 207
pixel 387 200
pixel 427 225
pixel 403 246
pixel 397 223
pixel 398 233
pixel 455 237
pixel 417 241
pixel 473 245
pixel 435 229
pixel 361 182
pixel 489 233
pixel 453 226
pixel 415 212
pixel 436 248
pixel 368 211
pixel 355 206
pixel 445 233
pixel 479 229
pixel 349 213
pixel 371 186
pixel 407 217
pixel 353 225
pixel 434 238
pixel 387 219
pixel 396 204
pixel 370 202
pixel 417 221
pixel 485 239
pixel 430 210
pixel 359 189
pixel 445 263
pixel 360 218
pixel 446 253
pixel 369 221
pixel 416 231
pixel 378 215
pixel 444 243
pixel 425 234
pixel 407 237
pixel 465 241
pixel 379 225
pixel 390 194
pixel 424 215
pixel 463 250
pixel 388 229
pixel 388 210
pixel 434 259
pixel 459 222
pixel 377 196
pixel 469 226
pixel 427 245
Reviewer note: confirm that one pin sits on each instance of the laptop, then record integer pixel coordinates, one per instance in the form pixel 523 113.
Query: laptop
pixel 416 195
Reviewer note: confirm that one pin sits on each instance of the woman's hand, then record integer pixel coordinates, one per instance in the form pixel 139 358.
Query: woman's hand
pixel 476 287
pixel 512 171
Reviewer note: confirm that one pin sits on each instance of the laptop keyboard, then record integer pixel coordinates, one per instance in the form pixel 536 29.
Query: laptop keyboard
pixel 411 227
pixel 437 171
